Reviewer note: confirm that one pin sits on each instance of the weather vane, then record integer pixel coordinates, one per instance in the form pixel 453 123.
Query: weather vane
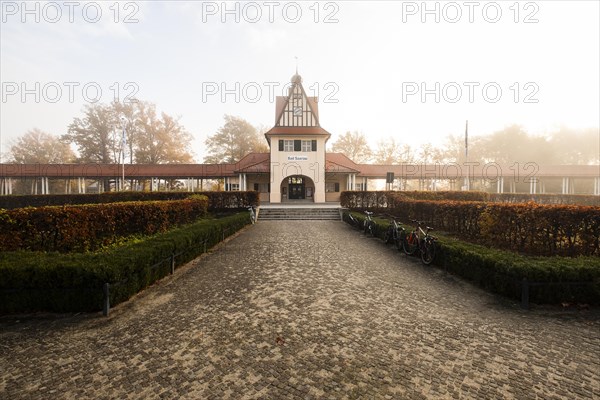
pixel 296 57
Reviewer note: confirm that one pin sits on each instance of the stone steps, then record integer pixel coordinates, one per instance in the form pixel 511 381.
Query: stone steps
pixel 308 213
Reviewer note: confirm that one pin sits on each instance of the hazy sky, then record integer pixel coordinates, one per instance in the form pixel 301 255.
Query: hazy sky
pixel 377 67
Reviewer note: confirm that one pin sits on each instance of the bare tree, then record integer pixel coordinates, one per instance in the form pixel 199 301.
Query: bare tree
pixel 355 146
pixel 390 152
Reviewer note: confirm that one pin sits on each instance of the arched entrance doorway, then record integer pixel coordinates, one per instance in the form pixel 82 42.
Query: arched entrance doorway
pixel 297 188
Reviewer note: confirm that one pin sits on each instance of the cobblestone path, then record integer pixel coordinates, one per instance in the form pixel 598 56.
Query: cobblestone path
pixel 305 310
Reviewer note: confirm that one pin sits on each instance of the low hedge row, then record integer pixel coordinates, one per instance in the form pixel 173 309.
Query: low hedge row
pixel 89 227
pixel 216 200
pixel 502 271
pixel 39 281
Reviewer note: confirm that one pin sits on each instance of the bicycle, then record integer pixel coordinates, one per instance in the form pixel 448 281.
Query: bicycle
pixel 353 221
pixel 421 240
pixel 252 215
pixel 394 234
pixel 369 226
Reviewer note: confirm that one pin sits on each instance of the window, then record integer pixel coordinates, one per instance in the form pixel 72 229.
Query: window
pixel 288 145
pixel 331 187
pixel 295 180
pixel 359 187
pixel 307 145
pixel 297 145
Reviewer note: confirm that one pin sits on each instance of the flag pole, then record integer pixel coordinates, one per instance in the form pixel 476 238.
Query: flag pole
pixel 123 155
pixel 467 180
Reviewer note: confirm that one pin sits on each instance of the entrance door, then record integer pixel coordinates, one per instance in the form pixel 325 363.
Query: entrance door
pixel 296 188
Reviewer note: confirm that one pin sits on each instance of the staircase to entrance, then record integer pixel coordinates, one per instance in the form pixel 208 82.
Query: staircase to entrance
pixel 313 212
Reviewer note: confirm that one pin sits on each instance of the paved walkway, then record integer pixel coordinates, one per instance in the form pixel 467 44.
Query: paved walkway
pixel 305 310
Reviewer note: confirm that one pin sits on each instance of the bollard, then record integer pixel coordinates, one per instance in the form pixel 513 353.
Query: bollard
pixel 172 263
pixel 525 294
pixel 106 306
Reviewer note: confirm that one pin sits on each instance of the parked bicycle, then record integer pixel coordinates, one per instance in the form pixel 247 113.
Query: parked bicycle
pixel 420 240
pixel 395 234
pixel 369 226
pixel 353 221
pixel 252 215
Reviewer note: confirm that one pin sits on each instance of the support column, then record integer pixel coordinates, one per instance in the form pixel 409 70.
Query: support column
pixel 365 183
pixel 533 186
pixel 566 186
pixel 597 186
pixel 571 186
pixel 500 185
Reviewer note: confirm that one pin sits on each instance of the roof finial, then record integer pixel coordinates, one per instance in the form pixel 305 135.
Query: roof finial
pixel 296 78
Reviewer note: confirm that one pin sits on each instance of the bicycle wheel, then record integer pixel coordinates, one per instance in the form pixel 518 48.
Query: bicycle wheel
pixel 410 244
pixel 388 237
pixel 428 252
pixel 372 228
pixel 399 239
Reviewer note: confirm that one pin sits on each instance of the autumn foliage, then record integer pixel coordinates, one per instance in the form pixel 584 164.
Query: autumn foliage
pixel 216 200
pixel 89 227
pixel 532 228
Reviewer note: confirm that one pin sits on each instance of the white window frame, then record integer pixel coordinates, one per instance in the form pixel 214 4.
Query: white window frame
pixel 306 146
pixel 288 145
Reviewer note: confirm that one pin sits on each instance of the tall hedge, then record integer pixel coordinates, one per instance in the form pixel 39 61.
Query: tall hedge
pixel 380 199
pixel 41 281
pixel 89 227
pixel 532 228
pixel 216 200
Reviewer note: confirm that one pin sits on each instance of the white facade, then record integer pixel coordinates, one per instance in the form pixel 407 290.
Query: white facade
pixel 297 148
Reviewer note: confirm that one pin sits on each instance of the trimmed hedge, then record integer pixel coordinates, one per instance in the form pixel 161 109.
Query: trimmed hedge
pixel 37 281
pixel 502 272
pixel 89 227
pixel 532 228
pixel 216 200
pixel 544 230
pixel 580 199
pixel 381 199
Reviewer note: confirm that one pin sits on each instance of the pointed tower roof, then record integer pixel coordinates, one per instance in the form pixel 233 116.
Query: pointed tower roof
pixel 296 113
